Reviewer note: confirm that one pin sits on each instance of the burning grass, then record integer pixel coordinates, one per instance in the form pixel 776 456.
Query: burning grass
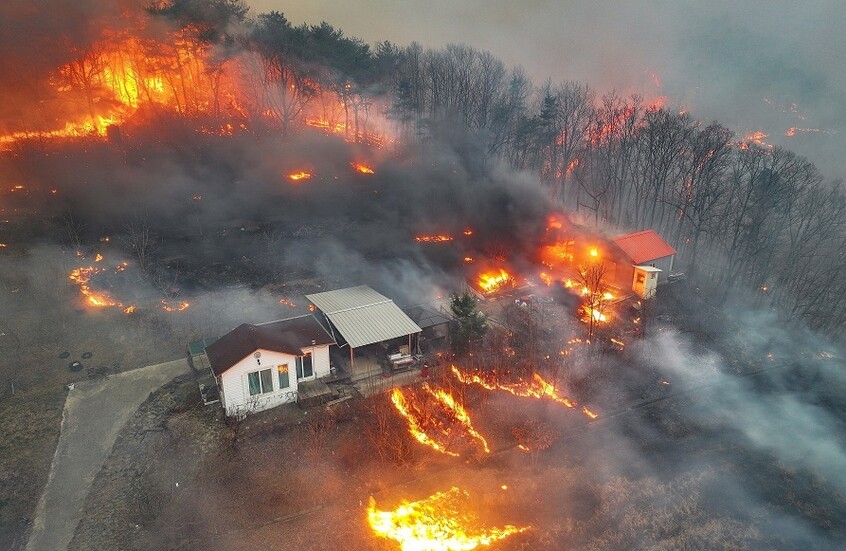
pixel 536 387
pixel 444 521
pixel 100 299
pixel 437 420
pixel 434 238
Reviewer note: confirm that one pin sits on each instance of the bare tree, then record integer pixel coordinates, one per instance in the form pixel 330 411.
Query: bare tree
pixel 140 241
pixel 592 278
pixel 73 228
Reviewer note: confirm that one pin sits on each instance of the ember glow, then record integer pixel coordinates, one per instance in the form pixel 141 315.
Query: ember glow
pixel 495 280
pixel 442 522
pixel 436 419
pixel 362 168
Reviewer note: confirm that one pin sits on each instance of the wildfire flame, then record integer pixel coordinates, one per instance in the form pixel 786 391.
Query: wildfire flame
pixel 362 168
pixel 493 281
pixel 594 313
pixel 167 306
pixel 438 427
pixel 441 522
pixel 439 238
pixel 100 299
pixel 756 137
pixel 537 387
pixel 323 124
pixel 301 175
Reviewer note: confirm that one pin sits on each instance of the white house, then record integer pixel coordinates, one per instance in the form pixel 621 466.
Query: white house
pixel 258 367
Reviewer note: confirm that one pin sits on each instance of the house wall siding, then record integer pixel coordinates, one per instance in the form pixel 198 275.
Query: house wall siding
pixel 237 399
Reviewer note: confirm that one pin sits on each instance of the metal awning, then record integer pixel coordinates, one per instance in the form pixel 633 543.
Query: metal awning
pixel 363 316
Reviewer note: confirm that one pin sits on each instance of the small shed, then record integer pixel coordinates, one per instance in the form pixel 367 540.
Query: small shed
pixel 434 326
pixel 645 282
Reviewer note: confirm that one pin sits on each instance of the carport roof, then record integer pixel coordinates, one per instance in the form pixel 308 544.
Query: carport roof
pixel 362 316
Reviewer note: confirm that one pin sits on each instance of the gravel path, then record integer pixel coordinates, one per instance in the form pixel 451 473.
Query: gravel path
pixel 94 413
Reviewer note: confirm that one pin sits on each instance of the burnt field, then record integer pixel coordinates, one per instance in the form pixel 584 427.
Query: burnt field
pixel 700 440
pixel 714 427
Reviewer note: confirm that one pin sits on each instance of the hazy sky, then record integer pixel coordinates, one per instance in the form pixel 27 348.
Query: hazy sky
pixel 752 64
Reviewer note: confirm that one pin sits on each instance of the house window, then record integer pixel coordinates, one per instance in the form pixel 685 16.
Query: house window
pixel 304 367
pixel 283 376
pixel 652 275
pixel 260 382
pixel 640 278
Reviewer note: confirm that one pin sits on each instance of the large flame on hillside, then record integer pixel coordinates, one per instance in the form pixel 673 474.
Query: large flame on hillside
pixel 136 70
pixel 436 419
pixel 444 521
pixel 110 80
pixel 536 387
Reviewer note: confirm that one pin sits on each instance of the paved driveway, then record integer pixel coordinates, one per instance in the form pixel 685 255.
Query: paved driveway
pixel 94 413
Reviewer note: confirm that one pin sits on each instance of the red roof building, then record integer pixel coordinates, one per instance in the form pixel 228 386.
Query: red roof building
pixel 644 247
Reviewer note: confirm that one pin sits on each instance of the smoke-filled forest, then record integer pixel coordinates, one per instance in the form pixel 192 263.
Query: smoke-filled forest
pixel 172 169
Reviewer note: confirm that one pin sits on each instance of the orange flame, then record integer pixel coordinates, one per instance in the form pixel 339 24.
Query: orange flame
pixel 439 238
pixel 301 175
pixel 442 522
pixel 168 307
pixel 323 124
pixel 436 430
pixel 362 168
pixel 536 388
pixel 493 281
pixel 594 313
pixel 82 278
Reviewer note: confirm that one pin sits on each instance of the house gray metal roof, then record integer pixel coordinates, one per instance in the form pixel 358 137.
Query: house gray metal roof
pixel 425 317
pixel 363 316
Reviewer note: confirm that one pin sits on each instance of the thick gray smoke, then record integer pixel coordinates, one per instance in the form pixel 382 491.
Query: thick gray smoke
pixel 752 66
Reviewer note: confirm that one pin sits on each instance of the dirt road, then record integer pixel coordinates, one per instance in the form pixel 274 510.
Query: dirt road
pixel 94 413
